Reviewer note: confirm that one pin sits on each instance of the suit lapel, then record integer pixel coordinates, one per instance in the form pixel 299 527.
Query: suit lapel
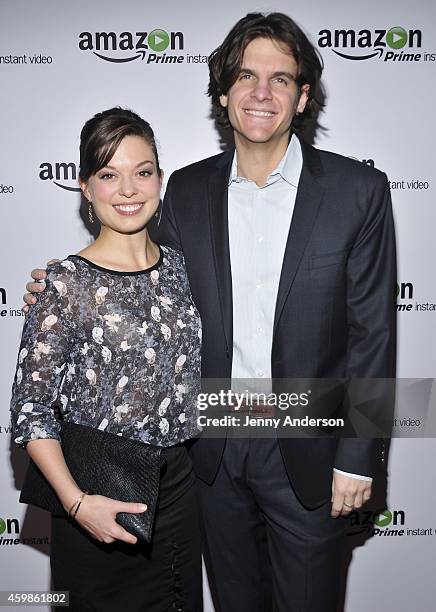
pixel 218 215
pixel 307 203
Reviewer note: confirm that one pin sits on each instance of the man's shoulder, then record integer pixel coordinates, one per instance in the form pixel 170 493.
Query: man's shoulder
pixel 203 167
pixel 336 164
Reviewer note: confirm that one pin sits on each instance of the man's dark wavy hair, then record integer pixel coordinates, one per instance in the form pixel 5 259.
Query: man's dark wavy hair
pixel 225 61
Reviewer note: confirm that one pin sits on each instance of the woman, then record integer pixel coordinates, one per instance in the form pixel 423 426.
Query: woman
pixel 114 343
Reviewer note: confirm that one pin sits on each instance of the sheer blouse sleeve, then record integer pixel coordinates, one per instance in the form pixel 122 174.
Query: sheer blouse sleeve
pixel 42 361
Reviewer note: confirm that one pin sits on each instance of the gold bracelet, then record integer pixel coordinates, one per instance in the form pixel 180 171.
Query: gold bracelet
pixel 72 507
pixel 78 501
pixel 79 504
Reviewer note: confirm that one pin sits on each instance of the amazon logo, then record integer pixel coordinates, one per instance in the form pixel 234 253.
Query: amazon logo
pixel 367 44
pixel 63 174
pixel 370 522
pixel 130 46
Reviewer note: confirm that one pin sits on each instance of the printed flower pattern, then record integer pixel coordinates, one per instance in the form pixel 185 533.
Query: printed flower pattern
pixel 100 295
pixel 49 322
pixel 60 287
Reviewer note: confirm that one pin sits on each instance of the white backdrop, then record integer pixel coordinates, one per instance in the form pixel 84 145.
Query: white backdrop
pixel 379 109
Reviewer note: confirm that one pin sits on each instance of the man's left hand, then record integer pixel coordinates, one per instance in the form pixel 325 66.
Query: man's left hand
pixel 348 494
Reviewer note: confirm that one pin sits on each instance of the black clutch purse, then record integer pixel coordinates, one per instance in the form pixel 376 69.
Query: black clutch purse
pixel 104 464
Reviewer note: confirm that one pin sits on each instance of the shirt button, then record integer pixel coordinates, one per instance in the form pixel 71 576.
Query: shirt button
pixel 258 285
pixel 260 239
pixel 260 330
pixel 260 373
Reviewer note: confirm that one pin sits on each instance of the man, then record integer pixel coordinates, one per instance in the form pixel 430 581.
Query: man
pixel 291 260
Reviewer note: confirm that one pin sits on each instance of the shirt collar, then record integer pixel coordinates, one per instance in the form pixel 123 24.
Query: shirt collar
pixel 288 169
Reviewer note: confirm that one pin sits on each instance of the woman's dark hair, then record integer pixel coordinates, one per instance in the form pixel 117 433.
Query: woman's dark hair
pixel 225 61
pixel 101 136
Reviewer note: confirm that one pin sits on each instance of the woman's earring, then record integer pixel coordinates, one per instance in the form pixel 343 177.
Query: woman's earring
pixel 159 209
pixel 90 215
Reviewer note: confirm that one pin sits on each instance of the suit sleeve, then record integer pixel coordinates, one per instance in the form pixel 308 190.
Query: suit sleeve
pixel 371 318
pixel 165 230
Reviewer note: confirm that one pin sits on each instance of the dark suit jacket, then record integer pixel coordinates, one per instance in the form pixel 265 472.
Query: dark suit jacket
pixel 334 314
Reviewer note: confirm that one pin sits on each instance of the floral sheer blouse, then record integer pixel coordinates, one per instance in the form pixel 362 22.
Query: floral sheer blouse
pixel 119 351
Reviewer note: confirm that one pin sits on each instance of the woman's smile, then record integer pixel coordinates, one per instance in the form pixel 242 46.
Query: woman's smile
pixel 130 209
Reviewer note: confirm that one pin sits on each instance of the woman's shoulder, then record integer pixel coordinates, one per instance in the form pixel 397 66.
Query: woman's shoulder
pixel 69 267
pixel 174 262
pixel 62 266
pixel 68 271
pixel 172 257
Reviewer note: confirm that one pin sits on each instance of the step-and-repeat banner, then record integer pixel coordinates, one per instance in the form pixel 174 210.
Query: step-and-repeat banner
pixel 61 62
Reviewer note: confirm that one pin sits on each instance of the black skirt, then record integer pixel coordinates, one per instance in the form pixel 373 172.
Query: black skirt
pixel 157 577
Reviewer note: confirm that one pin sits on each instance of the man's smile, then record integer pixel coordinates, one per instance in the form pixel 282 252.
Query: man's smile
pixel 258 113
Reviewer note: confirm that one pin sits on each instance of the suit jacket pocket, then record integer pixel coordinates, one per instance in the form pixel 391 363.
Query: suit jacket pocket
pixel 327 270
pixel 326 260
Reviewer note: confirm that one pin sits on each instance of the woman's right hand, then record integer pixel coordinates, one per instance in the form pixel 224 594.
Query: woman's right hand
pixel 97 515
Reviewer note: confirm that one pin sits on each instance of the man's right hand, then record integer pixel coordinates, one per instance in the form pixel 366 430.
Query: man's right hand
pixel 35 286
